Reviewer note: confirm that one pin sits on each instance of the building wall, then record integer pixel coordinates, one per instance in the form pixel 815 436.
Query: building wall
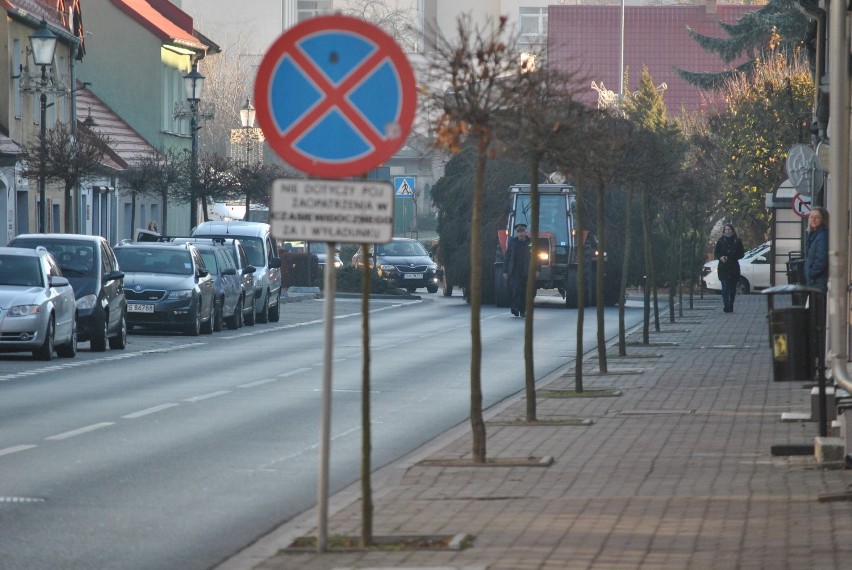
pixel 587 39
pixel 124 65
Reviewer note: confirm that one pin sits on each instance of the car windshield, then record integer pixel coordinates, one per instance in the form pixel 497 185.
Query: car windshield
pixel 16 270
pixel 76 258
pixel 154 260
pixel 756 251
pixel 254 250
pixel 400 248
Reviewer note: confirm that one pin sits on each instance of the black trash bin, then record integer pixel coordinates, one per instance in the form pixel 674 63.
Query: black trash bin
pixel 796 275
pixel 792 354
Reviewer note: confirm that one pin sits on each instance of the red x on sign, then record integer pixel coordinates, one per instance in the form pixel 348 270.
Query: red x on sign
pixel 335 96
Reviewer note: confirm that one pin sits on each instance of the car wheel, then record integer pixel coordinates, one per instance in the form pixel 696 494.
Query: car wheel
pixel 69 350
pixel 218 315
pixel 119 341
pixel 207 326
pixel 743 286
pixel 45 351
pixel 275 312
pixel 99 335
pixel 249 317
pixel 263 315
pixel 235 321
pixel 194 327
pixel 432 288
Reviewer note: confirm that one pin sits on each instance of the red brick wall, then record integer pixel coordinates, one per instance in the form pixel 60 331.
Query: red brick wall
pixel 587 38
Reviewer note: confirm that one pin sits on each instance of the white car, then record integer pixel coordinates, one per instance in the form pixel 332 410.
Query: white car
pixel 38 311
pixel 755 269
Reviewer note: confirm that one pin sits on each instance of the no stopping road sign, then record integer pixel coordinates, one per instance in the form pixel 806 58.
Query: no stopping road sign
pixel 335 96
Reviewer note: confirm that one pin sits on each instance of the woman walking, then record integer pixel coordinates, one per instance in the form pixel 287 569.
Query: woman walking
pixel 729 250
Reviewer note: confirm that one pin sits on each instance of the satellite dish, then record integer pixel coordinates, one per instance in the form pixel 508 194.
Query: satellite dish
pixel 804 169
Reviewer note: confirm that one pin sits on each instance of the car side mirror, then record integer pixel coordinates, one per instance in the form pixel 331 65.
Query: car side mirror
pixel 203 273
pixel 229 271
pixel 249 269
pixel 113 275
pixel 275 262
pixel 58 281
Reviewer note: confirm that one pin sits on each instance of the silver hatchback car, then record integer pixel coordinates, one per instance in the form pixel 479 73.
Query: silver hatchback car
pixel 38 311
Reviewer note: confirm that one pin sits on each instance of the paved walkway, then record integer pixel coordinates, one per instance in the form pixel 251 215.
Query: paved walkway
pixel 676 472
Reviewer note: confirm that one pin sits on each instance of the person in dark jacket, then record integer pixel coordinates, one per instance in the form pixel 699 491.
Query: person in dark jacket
pixel 816 250
pixel 729 250
pixel 516 269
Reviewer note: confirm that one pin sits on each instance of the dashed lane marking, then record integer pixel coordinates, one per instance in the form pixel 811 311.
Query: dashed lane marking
pixel 149 411
pixel 15 449
pixel 80 431
pixel 207 396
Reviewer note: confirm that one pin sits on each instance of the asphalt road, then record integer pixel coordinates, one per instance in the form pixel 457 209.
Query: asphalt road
pixel 180 451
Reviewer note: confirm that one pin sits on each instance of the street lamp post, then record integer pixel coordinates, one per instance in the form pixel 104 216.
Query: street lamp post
pixel 43 45
pixel 193 82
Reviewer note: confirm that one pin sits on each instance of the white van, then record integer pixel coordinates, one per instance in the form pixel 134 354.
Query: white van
pixel 260 248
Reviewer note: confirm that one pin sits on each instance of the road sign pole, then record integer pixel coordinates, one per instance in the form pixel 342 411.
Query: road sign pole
pixel 330 281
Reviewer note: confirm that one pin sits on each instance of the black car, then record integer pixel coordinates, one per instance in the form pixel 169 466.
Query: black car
pixel 89 264
pixel 404 263
pixel 244 270
pixel 167 287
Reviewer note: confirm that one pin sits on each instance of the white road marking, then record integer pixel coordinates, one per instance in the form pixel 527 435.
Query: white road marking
pixel 148 411
pixel 15 449
pixel 208 396
pixel 258 383
pixel 292 372
pixel 80 431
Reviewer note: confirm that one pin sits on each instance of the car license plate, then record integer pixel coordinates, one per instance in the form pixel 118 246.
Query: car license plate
pixel 412 276
pixel 139 308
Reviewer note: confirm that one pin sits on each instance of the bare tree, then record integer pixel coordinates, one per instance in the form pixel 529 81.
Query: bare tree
pixel 399 23
pixel 167 177
pixel 548 113
pixel 67 159
pixel 474 75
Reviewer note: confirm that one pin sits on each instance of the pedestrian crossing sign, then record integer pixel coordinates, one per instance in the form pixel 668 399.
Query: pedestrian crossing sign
pixel 404 186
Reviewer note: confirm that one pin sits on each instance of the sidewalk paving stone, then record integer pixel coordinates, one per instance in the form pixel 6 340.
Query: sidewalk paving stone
pixel 675 473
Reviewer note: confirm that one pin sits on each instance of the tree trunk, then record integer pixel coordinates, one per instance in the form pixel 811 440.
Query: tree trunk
pixel 646 238
pixel 529 301
pixel 69 211
pixel 477 422
pixel 247 215
pixel 164 196
pixel 366 435
pixel 133 214
pixel 599 280
pixel 625 265
pixel 580 243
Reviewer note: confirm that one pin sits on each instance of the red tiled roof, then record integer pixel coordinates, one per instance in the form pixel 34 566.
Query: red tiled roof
pixel 126 145
pixel 163 19
pixel 38 9
pixel 587 38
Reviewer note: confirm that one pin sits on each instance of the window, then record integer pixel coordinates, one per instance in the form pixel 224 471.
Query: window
pixel 307 9
pixel 533 25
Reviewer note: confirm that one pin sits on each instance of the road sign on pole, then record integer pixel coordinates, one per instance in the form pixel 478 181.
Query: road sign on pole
pixel 802 205
pixel 404 186
pixel 338 211
pixel 335 96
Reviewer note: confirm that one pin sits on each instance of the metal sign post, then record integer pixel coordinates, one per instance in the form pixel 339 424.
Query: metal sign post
pixel 336 96
pixel 332 211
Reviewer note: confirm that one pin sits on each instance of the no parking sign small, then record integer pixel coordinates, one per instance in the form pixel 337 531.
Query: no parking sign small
pixel 802 205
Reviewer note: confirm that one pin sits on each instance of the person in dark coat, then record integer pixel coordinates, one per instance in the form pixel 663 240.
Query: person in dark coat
pixel 729 250
pixel 516 269
pixel 816 250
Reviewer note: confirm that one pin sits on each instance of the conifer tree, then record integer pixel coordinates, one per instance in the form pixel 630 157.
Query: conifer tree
pixel 780 21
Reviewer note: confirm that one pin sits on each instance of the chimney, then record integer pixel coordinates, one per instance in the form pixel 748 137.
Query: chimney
pixel 710 6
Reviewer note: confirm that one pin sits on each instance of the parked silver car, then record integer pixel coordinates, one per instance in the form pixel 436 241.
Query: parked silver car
pixel 38 311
